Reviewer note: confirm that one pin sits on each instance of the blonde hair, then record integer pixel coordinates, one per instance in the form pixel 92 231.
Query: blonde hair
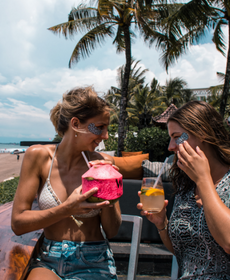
pixel 83 103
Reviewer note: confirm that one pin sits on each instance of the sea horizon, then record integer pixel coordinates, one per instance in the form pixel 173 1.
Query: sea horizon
pixel 12 146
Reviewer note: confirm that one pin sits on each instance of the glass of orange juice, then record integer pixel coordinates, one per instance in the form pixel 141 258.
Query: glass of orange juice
pixel 152 197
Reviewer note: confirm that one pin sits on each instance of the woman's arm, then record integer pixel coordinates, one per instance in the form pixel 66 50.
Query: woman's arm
pixel 217 214
pixel 161 222
pixel 111 220
pixel 23 218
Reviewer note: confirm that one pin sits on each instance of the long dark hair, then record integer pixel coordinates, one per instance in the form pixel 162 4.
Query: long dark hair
pixel 204 122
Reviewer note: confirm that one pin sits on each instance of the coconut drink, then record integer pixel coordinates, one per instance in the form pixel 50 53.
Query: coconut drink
pixel 106 179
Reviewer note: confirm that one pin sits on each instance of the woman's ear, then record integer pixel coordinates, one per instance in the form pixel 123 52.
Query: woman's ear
pixel 202 139
pixel 74 123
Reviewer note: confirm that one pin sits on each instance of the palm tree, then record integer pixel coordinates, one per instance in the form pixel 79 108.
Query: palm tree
pixel 136 80
pixel 113 98
pixel 192 21
pixel 187 95
pixel 142 106
pixel 114 18
pixel 214 98
pixel 216 93
pixel 175 92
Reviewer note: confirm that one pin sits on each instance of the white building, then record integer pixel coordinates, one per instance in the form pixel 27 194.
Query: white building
pixel 201 93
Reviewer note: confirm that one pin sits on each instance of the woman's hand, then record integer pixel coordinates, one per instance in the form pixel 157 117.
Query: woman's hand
pixel 159 219
pixel 193 162
pixel 76 203
pixel 103 162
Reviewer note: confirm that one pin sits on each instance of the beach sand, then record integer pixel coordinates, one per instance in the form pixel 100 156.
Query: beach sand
pixel 10 166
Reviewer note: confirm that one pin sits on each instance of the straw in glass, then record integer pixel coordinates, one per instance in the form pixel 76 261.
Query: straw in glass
pixel 161 171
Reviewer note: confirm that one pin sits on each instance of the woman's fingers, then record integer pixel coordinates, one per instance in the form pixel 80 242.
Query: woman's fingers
pixel 139 206
pixel 102 162
pixel 89 193
pixel 86 195
pixel 95 205
pixel 188 148
pixel 166 202
pixel 115 167
pixel 186 155
pixel 200 152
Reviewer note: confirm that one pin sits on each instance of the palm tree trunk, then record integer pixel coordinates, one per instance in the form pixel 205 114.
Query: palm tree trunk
pixel 124 91
pixel 225 94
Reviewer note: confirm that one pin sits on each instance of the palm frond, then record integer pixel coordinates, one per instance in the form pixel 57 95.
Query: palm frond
pixel 80 19
pixel 105 7
pixel 218 37
pixel 90 40
pixel 119 40
pixel 221 76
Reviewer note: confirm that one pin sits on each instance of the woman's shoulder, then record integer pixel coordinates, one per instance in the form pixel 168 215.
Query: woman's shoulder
pixel 39 152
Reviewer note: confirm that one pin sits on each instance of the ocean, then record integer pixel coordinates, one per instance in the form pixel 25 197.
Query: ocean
pixel 11 146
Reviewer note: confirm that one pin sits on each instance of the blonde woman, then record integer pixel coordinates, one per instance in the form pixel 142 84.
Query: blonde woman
pixel 73 247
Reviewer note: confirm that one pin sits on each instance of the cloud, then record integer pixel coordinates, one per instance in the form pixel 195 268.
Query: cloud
pixel 34 69
pixel 44 91
pixel 20 119
pixel 54 83
pixel 197 67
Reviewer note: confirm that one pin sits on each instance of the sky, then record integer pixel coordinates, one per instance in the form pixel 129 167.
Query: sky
pixel 34 69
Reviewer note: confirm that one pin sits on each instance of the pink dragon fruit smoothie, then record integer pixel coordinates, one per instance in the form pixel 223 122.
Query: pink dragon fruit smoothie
pixel 106 179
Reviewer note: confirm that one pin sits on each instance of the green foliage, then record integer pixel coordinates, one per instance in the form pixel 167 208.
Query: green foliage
pixel 152 140
pixel 113 96
pixel 133 128
pixel 113 128
pixel 57 138
pixel 111 143
pixel 7 190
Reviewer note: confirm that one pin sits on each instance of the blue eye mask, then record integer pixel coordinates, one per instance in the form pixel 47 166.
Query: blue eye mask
pixel 93 129
pixel 182 138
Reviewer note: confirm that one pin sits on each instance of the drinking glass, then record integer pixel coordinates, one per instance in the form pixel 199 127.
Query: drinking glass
pixel 152 198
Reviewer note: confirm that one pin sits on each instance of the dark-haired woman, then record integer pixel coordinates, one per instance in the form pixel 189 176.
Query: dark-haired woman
pixel 73 247
pixel 198 232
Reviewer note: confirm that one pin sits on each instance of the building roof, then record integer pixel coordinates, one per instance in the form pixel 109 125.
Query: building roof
pixel 162 118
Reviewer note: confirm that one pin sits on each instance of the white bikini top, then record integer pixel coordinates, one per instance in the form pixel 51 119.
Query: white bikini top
pixel 48 199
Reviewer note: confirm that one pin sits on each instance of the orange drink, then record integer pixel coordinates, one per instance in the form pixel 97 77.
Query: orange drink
pixel 152 198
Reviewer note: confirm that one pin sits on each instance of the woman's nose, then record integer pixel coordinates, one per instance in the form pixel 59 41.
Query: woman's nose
pixel 172 145
pixel 105 134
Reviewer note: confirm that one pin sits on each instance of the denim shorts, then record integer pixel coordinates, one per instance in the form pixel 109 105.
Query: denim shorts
pixel 77 260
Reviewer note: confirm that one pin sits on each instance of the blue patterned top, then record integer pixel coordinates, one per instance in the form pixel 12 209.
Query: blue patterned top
pixel 198 254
